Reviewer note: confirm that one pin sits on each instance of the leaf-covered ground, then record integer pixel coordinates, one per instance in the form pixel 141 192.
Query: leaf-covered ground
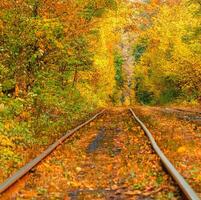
pixel 17 147
pixel 179 136
pixel 110 158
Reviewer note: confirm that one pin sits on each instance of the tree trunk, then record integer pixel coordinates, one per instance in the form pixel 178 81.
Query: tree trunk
pixel 75 77
pixel 35 8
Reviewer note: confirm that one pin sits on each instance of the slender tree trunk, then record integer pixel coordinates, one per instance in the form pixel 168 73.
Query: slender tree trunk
pixel 22 82
pixel 35 8
pixel 75 77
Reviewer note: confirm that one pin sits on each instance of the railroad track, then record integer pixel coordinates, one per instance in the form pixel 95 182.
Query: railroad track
pixel 186 189
pixel 186 111
pixel 188 115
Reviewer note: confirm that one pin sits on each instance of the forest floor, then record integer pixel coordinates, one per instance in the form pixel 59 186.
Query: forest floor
pixel 178 134
pixel 110 158
pixel 16 151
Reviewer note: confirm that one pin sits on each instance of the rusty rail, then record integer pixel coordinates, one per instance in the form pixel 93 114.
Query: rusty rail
pixel 185 111
pixel 24 170
pixel 184 186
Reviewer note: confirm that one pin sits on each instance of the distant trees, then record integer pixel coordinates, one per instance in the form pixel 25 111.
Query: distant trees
pixel 168 54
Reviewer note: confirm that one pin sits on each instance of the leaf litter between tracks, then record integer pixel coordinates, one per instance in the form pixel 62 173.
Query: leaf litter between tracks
pixel 110 158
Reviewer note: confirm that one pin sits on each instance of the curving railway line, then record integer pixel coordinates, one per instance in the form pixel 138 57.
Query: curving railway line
pixel 95 159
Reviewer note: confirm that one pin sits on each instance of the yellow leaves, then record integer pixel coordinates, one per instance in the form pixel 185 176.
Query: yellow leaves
pixel 171 39
pixel 101 81
pixel 5 141
pixel 194 7
pixel 181 149
pixel 78 169
pixel 127 101
pixel 59 45
pixel 74 184
pixel 199 177
pixel 2 107
pixel 9 124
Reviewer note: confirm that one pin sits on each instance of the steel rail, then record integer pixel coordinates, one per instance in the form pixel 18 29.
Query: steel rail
pixel 24 170
pixel 184 186
pixel 183 110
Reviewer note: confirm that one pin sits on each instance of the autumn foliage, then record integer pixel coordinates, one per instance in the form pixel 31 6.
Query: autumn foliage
pixel 63 59
pixel 56 66
pixel 168 53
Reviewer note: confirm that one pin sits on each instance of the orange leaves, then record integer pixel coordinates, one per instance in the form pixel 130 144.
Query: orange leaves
pixel 69 14
pixel 17 90
pixel 70 52
pixel 117 165
pixel 1 25
pixel 39 34
pixel 24 115
pixel 177 138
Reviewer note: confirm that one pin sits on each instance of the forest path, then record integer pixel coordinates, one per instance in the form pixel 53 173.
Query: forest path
pixel 110 158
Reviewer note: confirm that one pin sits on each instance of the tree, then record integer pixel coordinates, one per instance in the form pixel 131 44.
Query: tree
pixel 172 56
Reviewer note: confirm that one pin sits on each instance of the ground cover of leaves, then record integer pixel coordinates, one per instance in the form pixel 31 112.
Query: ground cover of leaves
pixel 15 151
pixel 110 158
pixel 180 139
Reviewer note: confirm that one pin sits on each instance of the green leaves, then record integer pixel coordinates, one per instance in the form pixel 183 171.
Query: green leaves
pixel 139 49
pixel 97 8
pixel 118 61
pixel 90 11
